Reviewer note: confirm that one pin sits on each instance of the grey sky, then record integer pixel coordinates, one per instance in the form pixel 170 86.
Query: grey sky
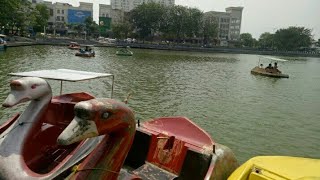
pixel 258 15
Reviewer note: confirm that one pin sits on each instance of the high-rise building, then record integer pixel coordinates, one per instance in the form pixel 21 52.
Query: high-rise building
pixel 229 24
pixel 128 5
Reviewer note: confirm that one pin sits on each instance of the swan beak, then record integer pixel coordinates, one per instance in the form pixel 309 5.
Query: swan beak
pixel 14 99
pixel 79 129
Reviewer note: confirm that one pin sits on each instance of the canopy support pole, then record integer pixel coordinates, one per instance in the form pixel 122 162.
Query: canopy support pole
pixel 60 87
pixel 112 86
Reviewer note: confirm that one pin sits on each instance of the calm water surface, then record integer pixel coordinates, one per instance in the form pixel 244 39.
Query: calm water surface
pixel 252 115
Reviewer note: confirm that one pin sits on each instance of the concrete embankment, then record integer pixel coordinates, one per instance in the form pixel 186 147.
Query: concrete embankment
pixel 65 42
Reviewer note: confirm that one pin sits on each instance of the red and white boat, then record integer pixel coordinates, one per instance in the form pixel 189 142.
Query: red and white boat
pixel 74 45
pixel 77 136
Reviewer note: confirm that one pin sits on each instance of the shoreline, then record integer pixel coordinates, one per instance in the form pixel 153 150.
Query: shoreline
pixel 171 47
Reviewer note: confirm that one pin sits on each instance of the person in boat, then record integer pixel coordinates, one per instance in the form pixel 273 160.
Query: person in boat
pixel 269 68
pixel 261 65
pixel 275 68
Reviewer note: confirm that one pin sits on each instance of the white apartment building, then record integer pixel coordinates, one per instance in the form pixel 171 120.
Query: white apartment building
pixel 62 14
pixel 128 5
pixel 229 24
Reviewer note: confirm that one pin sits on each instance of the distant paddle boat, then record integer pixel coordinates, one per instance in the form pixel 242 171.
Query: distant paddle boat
pixel 86 51
pixel 74 45
pixel 269 70
pixel 124 52
pixel 3 43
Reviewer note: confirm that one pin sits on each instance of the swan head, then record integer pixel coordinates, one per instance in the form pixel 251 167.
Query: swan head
pixel 27 89
pixel 97 117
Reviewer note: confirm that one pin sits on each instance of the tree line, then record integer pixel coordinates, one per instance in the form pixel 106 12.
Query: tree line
pixel 287 39
pixel 20 16
pixel 150 21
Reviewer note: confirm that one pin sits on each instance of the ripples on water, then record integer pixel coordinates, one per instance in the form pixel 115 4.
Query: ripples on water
pixel 253 115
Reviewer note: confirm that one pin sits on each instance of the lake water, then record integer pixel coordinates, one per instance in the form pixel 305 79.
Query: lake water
pixel 253 115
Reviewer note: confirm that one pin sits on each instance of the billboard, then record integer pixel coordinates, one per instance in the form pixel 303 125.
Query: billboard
pixel 104 24
pixel 78 16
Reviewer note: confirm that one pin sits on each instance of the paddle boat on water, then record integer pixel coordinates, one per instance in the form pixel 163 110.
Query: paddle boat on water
pixel 278 168
pixel 86 51
pixel 3 43
pixel 269 70
pixel 74 45
pixel 78 136
pixel 124 52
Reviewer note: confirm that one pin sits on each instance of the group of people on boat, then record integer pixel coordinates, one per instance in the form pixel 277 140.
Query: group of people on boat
pixel 87 50
pixel 272 69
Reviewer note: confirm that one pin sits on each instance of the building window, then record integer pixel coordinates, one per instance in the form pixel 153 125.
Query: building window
pixel 62 18
pixel 102 14
pixel 51 12
pixel 62 11
pixel 58 11
pixel 58 18
pixel 34 1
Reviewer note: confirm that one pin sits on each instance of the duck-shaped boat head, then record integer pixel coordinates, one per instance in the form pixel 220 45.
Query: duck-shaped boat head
pixel 26 89
pixel 96 117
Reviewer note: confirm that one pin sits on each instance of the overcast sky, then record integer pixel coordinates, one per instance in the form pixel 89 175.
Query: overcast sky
pixel 258 15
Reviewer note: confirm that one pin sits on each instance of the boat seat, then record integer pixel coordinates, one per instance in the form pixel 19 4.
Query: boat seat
pixel 60 111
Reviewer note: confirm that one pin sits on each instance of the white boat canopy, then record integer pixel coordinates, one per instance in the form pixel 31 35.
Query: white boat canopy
pixel 273 58
pixel 65 75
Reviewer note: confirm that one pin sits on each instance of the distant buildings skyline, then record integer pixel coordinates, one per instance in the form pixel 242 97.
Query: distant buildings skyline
pixel 61 14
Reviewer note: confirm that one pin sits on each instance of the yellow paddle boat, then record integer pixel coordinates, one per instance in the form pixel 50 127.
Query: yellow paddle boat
pixel 278 168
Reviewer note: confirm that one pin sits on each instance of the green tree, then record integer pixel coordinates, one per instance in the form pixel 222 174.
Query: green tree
pixel 41 16
pixel 193 22
pixel 121 30
pixel 7 10
pixel 209 29
pixel 246 40
pixel 266 40
pixel 146 18
pixel 91 27
pixel 177 21
pixel 292 38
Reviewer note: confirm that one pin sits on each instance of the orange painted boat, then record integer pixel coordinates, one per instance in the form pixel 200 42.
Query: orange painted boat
pixel 77 136
pixel 74 46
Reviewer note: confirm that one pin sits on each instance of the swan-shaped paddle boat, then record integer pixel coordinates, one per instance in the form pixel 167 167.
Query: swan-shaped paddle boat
pixel 162 148
pixel 28 142
pixel 76 136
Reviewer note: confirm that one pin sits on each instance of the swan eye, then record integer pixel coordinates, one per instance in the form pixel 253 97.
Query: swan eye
pixel 105 115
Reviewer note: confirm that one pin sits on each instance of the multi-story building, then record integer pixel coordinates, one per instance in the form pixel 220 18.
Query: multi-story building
pixel 61 14
pixel 115 14
pixel 229 24
pixel 128 5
